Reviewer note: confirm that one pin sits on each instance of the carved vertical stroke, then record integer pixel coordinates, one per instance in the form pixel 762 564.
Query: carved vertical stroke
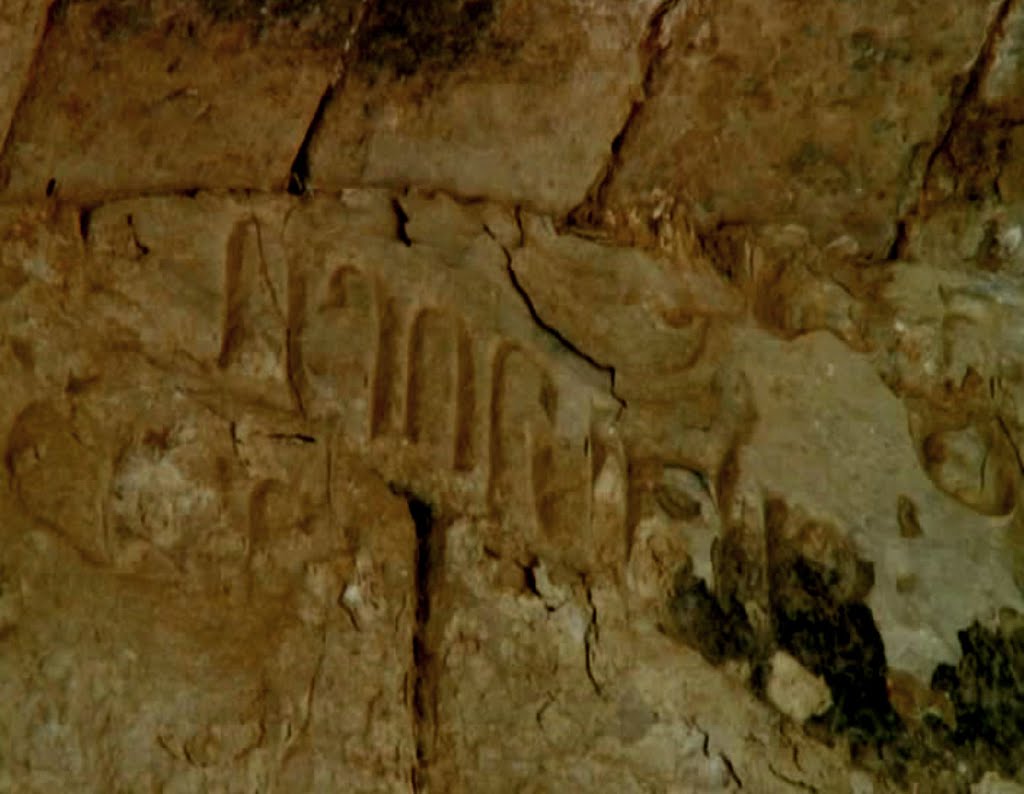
pixel 608 499
pixel 432 366
pixel 522 413
pixel 439 387
pixel 55 477
pixel 386 377
pixel 295 324
pixel 564 480
pixel 234 296
pixel 336 332
pixel 255 338
pixel 258 535
pixel 465 405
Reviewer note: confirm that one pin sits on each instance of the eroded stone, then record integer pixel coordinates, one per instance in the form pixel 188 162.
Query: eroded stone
pixel 136 97
pixel 725 130
pixel 397 443
pixel 794 690
pixel 448 95
pixel 21 29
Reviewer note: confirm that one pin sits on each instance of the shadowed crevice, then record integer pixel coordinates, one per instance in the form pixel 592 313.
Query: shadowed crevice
pixel 401 222
pixel 54 13
pixel 408 37
pixel 588 213
pixel 550 330
pixel 963 101
pixel 967 93
pixel 429 561
pixel 987 690
pixel 298 174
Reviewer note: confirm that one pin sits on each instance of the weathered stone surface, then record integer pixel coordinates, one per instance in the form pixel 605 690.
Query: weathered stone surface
pixel 499 396
pixel 1002 85
pixel 776 113
pixel 207 449
pixel 178 609
pixel 132 97
pixel 850 466
pixel 241 378
pixel 511 100
pixel 993 784
pixel 21 28
pixel 794 690
pixel 540 691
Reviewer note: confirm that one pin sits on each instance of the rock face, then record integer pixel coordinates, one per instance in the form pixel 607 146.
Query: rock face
pixel 507 396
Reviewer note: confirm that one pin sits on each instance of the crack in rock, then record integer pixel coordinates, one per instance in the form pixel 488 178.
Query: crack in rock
pixel 429 561
pixel 960 103
pixel 298 174
pixel 731 770
pixel 55 9
pixel 551 330
pixel 401 223
pixel 791 781
pixel 969 93
pixel 590 639
pixel 588 212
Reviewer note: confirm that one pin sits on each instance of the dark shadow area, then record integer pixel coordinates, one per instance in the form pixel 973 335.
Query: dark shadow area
pixel 407 37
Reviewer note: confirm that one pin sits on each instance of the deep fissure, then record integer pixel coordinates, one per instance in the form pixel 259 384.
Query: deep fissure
pixel 427 562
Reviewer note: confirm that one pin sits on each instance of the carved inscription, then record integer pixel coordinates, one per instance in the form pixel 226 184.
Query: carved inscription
pixel 334 351
pixel 421 356
pixel 389 357
pixel 439 399
pixel 54 475
pixel 524 402
pixel 253 317
pixel 387 379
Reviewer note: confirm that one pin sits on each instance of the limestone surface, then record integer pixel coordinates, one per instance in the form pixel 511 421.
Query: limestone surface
pixel 506 396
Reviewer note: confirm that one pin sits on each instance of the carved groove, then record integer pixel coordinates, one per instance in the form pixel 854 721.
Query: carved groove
pixel 234 296
pixel 294 327
pixel 465 405
pixel 523 407
pixel 391 370
pixel 429 394
pixel 338 338
pixel 385 377
pixel 435 386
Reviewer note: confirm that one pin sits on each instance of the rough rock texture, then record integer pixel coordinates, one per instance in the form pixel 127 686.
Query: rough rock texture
pixel 21 29
pixel 507 396
pixel 790 112
pixel 513 100
pixel 132 96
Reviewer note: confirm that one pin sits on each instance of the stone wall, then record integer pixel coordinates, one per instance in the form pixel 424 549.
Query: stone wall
pixel 506 396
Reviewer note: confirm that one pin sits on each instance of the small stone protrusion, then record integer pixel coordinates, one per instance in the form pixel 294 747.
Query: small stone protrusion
pixel 796 691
